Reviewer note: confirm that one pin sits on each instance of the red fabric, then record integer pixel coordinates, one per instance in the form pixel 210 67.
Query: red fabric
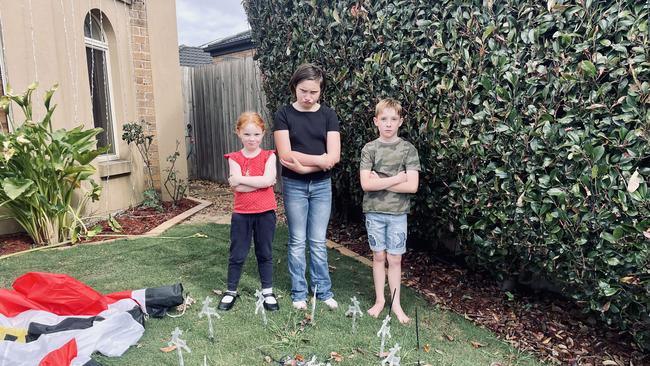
pixel 13 303
pixel 260 200
pixel 62 356
pixel 117 296
pixel 56 293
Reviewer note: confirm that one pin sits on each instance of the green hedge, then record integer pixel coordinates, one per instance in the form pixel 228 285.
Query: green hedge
pixel 531 119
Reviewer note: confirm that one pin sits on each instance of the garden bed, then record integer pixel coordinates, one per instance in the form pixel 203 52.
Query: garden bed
pixel 135 221
pixel 140 220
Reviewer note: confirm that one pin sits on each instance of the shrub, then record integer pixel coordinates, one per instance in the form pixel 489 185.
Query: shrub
pixel 531 120
pixel 133 133
pixel 175 186
pixel 41 170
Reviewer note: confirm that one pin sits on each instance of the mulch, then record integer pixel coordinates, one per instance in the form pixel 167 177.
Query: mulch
pixel 553 328
pixel 139 220
pixel 134 221
pixel 13 243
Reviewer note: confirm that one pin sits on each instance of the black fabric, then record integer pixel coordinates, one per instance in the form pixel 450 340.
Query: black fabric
pixel 159 299
pixel 9 337
pixel 261 227
pixel 35 330
pixel 137 314
pixel 307 134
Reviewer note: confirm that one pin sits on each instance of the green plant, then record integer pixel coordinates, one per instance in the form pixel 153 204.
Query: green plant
pixel 175 186
pixel 151 199
pixel 531 120
pixel 45 173
pixel 115 226
pixel 133 133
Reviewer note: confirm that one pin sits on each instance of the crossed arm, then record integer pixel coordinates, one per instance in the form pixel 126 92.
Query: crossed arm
pixel 304 163
pixel 402 182
pixel 242 183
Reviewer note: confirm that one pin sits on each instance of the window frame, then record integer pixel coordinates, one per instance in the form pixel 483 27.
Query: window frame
pixel 103 46
pixel 4 80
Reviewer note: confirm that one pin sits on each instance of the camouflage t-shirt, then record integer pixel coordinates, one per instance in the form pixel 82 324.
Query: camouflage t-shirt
pixel 388 159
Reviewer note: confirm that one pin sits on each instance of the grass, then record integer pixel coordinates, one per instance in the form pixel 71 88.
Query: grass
pixel 200 264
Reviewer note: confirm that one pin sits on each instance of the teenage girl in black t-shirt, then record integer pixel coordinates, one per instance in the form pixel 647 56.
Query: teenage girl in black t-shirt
pixel 308 143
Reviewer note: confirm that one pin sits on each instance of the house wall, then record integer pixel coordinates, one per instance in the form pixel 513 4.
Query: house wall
pixel 167 94
pixel 234 55
pixel 56 54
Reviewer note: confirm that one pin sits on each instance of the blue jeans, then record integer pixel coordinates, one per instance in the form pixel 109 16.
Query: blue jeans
pixel 307 206
pixel 386 232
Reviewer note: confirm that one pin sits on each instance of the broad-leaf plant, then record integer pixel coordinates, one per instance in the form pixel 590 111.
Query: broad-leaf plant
pixel 46 174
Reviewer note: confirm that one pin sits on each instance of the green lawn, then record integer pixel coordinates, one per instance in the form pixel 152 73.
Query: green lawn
pixel 200 264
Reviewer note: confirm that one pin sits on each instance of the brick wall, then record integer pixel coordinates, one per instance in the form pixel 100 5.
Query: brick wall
pixel 144 81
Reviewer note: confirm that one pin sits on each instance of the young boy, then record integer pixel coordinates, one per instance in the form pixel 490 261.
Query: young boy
pixel 389 173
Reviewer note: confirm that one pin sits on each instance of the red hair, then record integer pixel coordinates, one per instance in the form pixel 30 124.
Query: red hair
pixel 250 117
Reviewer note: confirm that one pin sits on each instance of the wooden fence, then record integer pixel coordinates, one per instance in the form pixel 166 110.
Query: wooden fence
pixel 215 95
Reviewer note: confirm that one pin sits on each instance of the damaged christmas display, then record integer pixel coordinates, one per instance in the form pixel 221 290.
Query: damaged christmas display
pixel 69 321
pixel 392 359
pixel 209 311
pixel 259 305
pixel 180 345
pixel 354 310
pixel 384 332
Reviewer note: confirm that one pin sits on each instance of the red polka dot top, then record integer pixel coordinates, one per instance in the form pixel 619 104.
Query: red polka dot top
pixel 261 200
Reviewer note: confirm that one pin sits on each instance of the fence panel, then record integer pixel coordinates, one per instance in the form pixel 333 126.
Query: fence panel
pixel 215 95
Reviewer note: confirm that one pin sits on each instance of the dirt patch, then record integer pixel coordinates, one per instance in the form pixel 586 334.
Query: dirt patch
pixel 222 201
pixel 222 197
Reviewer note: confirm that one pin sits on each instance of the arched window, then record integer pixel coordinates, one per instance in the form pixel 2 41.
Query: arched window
pixel 99 77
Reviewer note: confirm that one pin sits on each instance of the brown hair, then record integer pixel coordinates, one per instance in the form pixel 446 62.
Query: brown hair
pixel 250 117
pixel 388 103
pixel 307 72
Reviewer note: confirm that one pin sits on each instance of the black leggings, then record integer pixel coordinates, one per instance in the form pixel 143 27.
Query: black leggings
pixel 261 227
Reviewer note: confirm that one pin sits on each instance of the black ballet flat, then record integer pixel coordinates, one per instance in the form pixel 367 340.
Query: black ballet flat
pixel 271 307
pixel 228 305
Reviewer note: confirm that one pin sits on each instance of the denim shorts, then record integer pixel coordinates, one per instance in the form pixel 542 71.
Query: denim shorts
pixel 386 232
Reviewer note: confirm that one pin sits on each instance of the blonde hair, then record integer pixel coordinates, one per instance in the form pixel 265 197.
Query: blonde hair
pixel 388 103
pixel 250 117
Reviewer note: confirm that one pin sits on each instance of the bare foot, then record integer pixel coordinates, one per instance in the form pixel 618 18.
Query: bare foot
pixel 376 309
pixel 399 313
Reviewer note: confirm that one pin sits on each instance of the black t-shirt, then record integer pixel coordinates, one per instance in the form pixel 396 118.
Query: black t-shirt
pixel 307 134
